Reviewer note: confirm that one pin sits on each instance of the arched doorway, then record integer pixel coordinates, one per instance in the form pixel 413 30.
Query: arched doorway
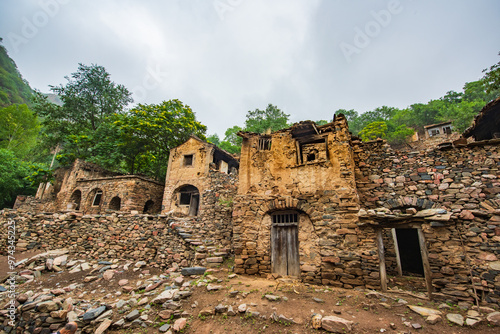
pixel 75 200
pixel 188 198
pixel 285 243
pixel 115 203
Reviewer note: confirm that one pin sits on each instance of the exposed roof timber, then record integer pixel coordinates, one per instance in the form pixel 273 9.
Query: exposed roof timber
pixel 486 123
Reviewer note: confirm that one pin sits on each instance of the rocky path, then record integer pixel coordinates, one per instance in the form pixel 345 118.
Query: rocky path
pixel 129 297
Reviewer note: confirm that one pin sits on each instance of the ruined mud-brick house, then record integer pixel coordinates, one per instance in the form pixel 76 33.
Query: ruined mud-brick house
pixel 296 198
pixel 90 189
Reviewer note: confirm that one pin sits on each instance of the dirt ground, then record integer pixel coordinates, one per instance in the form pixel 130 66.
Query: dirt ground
pixel 370 315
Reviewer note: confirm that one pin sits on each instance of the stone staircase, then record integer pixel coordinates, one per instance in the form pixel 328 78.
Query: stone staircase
pixel 206 252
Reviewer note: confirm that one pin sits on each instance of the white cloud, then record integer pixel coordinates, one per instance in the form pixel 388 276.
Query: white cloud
pixel 258 52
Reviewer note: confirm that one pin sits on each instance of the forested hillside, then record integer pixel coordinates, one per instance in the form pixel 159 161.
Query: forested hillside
pixel 13 88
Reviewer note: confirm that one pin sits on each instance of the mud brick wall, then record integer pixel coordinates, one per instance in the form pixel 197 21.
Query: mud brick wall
pixel 156 239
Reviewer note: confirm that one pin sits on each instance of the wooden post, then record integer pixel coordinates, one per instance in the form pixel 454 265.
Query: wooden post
pixel 425 262
pixel 396 249
pixel 381 259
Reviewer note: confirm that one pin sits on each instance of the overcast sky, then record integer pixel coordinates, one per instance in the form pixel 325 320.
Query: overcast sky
pixel 225 57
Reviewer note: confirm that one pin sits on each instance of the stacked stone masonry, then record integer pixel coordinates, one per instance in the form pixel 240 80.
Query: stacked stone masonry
pixel 329 201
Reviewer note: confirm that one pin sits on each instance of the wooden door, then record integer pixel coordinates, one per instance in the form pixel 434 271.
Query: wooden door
pixel 285 249
pixel 193 205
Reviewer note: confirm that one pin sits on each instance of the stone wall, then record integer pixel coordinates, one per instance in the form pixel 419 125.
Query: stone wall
pixel 75 187
pixel 119 193
pixel 456 179
pixel 463 240
pixel 155 239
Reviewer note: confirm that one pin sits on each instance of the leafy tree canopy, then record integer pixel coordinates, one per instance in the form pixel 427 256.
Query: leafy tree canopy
pixel 145 135
pixel 491 78
pixel 260 121
pixel 374 130
pixel 89 97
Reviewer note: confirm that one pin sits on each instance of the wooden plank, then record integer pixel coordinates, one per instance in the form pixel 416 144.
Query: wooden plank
pixel 425 262
pixel 381 259
pixel 293 251
pixel 278 250
pixel 396 248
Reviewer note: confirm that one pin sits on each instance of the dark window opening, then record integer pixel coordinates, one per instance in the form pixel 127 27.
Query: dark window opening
pixel 97 198
pixel 115 203
pixel 311 157
pixel 434 132
pixel 264 144
pixel 189 196
pixel 285 217
pixel 75 199
pixel 185 199
pixel 409 252
pixel 188 160
pixel 148 207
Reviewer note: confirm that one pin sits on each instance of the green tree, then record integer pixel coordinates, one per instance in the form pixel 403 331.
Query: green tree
pixel 374 130
pixel 19 129
pixel 353 119
pixel 400 135
pixel 13 182
pixel 147 133
pixel 89 99
pixel 214 139
pixel 260 121
pixel 90 96
pixel 491 78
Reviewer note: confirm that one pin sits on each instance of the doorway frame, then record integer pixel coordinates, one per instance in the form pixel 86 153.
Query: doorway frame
pixel 423 253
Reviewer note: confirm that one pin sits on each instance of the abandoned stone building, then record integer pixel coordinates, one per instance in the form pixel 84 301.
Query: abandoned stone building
pixel 189 175
pixel 317 203
pixel 90 189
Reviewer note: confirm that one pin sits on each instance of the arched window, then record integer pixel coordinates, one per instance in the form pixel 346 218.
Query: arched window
pixel 75 199
pixel 94 198
pixel 115 203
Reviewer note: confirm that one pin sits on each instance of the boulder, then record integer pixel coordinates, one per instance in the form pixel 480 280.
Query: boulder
pixel 335 324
